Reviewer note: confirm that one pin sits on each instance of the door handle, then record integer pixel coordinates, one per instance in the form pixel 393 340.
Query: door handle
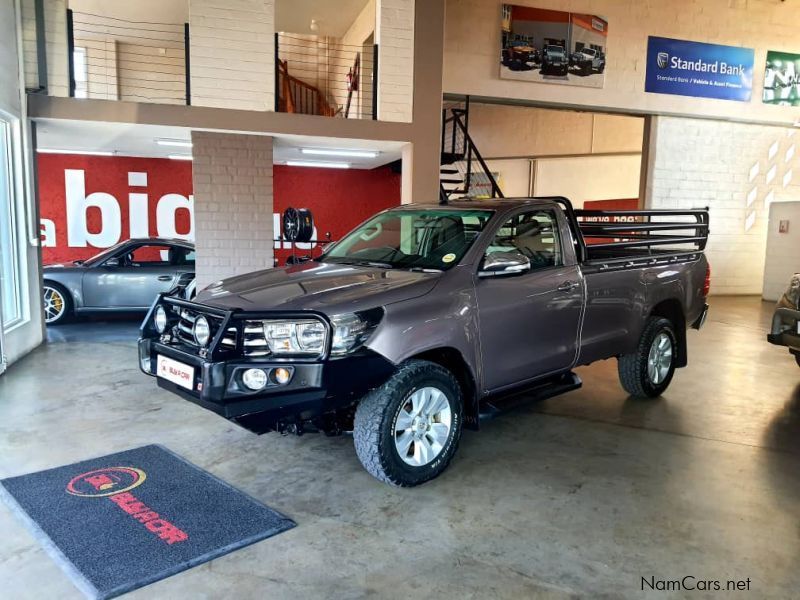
pixel 165 277
pixel 567 286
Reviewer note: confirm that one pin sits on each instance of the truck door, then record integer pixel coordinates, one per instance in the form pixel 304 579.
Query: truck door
pixel 529 321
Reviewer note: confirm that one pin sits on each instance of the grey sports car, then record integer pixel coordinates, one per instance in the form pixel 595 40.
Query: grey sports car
pixel 126 277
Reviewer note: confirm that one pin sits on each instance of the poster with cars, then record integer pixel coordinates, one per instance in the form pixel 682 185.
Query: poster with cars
pixel 782 79
pixel 552 46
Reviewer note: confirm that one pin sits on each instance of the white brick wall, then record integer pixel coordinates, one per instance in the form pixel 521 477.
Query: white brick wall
pixel 233 200
pixel 737 170
pixel 394 35
pixel 232 47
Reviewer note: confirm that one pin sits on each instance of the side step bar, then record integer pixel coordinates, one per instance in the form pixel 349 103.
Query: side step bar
pixel 501 403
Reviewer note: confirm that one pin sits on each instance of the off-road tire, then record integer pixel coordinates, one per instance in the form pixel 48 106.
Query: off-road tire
pixel 632 367
pixel 66 313
pixel 373 430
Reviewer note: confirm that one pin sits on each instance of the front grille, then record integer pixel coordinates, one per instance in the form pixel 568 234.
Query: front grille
pixel 254 343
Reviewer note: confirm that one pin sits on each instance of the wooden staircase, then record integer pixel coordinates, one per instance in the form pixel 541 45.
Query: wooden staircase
pixel 297 96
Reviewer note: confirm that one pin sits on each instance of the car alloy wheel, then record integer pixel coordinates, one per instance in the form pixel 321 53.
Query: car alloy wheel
pixel 54 304
pixel 422 426
pixel 659 359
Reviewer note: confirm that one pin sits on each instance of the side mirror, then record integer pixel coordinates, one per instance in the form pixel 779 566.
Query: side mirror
pixel 504 264
pixel 111 262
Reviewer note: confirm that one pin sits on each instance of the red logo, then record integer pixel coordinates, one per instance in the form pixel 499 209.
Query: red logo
pixel 106 482
pixel 115 484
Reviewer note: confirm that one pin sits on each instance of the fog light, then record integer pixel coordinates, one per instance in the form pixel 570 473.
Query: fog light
pixel 202 331
pixel 254 379
pixel 161 319
pixel 281 375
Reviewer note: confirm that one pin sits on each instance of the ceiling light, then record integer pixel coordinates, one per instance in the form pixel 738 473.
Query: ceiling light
pixel 179 143
pixel 180 156
pixel 88 152
pixel 318 163
pixel 334 152
pixel 314 26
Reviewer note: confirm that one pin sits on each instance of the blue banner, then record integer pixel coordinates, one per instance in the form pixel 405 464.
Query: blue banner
pixel 697 69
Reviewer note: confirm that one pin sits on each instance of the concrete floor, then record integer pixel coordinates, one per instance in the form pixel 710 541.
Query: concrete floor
pixel 577 496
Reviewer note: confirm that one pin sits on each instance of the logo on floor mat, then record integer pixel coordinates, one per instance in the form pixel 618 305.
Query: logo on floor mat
pixel 106 482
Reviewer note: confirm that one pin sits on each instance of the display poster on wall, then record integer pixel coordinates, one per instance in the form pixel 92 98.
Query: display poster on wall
pixel 552 46
pixel 697 69
pixel 782 79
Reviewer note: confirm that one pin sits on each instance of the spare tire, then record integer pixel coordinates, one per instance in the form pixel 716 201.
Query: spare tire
pixel 298 225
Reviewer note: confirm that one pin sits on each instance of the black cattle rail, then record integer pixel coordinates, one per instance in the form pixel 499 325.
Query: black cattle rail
pixel 642 236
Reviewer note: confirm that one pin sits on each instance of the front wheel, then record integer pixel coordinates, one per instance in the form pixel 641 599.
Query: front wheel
pixel 407 431
pixel 57 303
pixel 648 371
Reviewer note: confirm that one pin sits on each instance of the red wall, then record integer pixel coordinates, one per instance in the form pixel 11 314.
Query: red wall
pixel 338 199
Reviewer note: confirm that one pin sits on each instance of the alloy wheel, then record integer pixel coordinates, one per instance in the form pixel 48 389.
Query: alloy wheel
pixel 54 304
pixel 659 359
pixel 422 426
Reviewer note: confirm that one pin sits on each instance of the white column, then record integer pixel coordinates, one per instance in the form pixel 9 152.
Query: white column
pixel 233 204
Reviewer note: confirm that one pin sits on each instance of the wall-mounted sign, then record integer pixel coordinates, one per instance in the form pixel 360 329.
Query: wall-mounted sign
pixel 552 46
pixel 782 79
pixel 783 226
pixel 701 70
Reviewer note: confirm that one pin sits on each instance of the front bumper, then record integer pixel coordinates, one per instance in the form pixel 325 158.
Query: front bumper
pixel 785 328
pixel 316 388
pixel 319 387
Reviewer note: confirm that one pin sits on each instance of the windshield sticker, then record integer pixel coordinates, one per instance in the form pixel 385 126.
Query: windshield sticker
pixel 448 258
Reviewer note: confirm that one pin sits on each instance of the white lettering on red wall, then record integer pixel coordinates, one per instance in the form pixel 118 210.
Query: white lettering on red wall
pixel 89 202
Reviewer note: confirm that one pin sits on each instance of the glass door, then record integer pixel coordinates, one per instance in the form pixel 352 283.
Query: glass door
pixel 9 307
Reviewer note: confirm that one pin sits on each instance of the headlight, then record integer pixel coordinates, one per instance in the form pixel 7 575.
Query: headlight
pixel 160 319
pixel 303 337
pixel 202 331
pixel 350 330
pixel 793 291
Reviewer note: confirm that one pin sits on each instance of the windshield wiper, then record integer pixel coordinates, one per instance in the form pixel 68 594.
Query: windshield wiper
pixel 365 263
pixel 424 270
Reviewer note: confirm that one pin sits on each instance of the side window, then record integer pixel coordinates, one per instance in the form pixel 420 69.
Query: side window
pixel 149 255
pixel 533 234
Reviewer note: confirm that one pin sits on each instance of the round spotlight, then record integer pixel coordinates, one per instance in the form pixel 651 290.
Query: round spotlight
pixel 254 379
pixel 281 375
pixel 202 331
pixel 161 319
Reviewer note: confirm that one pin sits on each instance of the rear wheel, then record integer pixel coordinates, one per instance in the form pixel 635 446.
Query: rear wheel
pixel 57 303
pixel 647 372
pixel 407 431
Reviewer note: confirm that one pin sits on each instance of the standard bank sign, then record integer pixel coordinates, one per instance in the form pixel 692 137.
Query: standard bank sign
pixel 696 69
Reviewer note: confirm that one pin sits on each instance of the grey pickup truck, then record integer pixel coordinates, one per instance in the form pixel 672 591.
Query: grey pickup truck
pixel 424 319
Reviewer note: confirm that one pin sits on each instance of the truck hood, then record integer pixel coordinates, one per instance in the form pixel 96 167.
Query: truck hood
pixel 326 287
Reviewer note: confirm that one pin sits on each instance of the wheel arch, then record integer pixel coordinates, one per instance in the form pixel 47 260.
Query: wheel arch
pixel 672 309
pixel 452 360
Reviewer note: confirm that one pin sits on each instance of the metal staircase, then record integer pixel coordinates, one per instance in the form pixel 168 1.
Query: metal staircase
pixel 463 172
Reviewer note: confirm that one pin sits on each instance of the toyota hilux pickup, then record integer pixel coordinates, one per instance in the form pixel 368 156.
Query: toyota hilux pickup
pixel 424 319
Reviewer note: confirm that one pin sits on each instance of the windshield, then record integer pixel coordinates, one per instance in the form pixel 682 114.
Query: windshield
pixel 424 239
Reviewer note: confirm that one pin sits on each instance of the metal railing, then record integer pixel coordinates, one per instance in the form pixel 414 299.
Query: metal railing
pixel 320 76
pixel 464 172
pixel 116 59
